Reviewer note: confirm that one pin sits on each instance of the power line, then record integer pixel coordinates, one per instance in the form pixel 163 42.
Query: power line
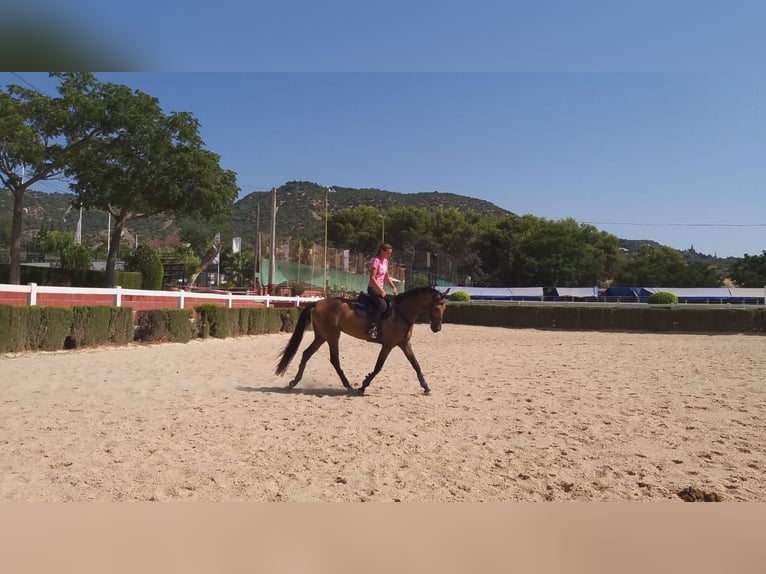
pixel 676 224
pixel 39 91
pixel 48 184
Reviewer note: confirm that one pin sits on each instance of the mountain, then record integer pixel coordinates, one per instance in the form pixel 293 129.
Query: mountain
pixel 300 209
pixel 301 206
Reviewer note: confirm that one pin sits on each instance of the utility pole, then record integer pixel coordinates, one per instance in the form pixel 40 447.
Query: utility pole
pixel 273 252
pixel 257 250
pixel 326 211
pixel 217 242
pixel 383 229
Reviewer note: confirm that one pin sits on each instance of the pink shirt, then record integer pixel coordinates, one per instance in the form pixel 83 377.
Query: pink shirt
pixel 380 266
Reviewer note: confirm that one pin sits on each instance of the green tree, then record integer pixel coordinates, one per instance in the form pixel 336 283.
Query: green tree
pixel 750 271
pixel 75 256
pixel 38 136
pixel 149 163
pixel 453 231
pixel 408 229
pixel 358 228
pixel 494 249
pixel 71 255
pixel 54 241
pixel 146 261
pixel 201 247
pixel 664 267
pixel 561 254
pixel 237 266
pixel 532 251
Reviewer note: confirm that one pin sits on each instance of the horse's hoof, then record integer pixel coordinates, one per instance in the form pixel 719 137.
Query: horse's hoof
pixel 360 391
pixel 291 384
pixel 426 391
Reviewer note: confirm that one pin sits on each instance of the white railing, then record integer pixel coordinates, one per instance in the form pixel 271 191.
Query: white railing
pixel 116 294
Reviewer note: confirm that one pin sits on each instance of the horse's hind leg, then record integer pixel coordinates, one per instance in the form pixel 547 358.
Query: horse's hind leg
pixel 382 356
pixel 335 360
pixel 310 350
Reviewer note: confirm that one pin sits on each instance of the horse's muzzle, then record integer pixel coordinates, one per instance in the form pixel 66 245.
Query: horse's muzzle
pixel 436 328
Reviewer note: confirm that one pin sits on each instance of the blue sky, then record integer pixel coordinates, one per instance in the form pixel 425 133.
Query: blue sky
pixel 646 119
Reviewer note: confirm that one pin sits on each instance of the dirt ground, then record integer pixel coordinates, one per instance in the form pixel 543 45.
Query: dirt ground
pixel 515 415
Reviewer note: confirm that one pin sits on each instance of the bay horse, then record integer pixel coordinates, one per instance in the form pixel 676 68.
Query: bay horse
pixel 335 315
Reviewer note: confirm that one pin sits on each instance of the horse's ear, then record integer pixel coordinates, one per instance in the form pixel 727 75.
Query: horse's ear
pixel 446 292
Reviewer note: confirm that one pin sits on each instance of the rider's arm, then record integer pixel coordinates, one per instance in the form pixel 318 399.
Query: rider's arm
pixel 391 283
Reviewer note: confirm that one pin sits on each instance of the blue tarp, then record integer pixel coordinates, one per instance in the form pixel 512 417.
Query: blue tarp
pixel 692 294
pixel 635 292
pixel 576 292
pixel 685 295
pixel 500 293
pixel 706 294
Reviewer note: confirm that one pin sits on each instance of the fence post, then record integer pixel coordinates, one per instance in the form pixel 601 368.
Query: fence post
pixel 268 300
pixel 118 296
pixel 230 300
pixel 181 298
pixel 32 299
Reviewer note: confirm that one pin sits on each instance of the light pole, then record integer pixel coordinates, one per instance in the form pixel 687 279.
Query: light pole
pixel 382 228
pixel 326 212
pixel 257 250
pixel 273 242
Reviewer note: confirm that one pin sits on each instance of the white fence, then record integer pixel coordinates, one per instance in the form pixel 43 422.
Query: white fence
pixel 33 294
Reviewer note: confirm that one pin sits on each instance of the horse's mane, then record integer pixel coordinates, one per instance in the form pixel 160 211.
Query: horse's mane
pixel 414 293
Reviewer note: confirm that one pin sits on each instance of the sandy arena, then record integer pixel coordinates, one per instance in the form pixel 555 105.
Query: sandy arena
pixel 515 415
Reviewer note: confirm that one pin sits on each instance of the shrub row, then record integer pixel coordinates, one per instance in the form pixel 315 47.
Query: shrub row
pixel 212 321
pixel 164 325
pixel 54 328
pixel 602 318
pixel 221 322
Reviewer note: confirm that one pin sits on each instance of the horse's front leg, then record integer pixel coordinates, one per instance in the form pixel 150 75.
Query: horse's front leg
pixel 382 356
pixel 407 348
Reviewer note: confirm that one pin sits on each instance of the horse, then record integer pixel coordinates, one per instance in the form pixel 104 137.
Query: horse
pixel 335 315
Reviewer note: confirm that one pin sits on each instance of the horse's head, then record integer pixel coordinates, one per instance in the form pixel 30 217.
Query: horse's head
pixel 438 305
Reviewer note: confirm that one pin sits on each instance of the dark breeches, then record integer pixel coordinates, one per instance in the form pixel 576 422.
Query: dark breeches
pixel 380 305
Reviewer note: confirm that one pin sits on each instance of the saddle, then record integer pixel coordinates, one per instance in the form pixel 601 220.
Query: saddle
pixel 364 305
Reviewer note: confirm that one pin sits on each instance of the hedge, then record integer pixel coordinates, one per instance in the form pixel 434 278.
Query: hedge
pixel 604 318
pixel 54 328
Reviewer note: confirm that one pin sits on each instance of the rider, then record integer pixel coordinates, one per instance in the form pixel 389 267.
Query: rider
pixel 376 287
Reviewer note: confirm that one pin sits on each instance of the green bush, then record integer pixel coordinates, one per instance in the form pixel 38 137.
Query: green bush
pixel 663 297
pixel 75 256
pixel 145 260
pixel 459 296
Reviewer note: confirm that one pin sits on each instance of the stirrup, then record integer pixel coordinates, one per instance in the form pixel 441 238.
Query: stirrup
pixel 372 332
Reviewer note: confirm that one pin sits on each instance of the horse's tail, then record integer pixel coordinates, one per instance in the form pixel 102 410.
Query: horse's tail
pixel 295 341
